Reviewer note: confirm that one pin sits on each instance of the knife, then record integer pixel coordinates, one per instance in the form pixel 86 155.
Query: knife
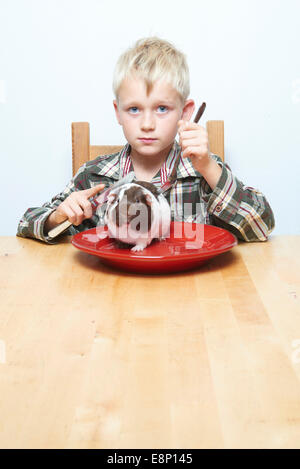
pixel 97 201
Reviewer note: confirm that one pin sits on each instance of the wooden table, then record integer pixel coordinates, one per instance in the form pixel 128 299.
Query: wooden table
pixel 95 358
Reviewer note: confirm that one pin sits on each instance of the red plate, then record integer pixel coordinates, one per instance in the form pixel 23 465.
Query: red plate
pixel 188 246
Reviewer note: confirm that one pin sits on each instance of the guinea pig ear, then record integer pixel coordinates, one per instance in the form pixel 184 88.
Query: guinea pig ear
pixel 148 199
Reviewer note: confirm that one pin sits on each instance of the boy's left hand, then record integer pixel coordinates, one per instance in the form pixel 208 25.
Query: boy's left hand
pixel 193 139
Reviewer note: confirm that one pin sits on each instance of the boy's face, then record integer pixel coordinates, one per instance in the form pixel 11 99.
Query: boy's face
pixel 150 122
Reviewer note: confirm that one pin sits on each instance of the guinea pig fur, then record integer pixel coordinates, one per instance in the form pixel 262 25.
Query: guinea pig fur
pixel 136 213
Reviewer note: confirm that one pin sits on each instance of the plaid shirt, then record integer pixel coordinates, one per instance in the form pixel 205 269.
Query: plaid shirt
pixel 231 205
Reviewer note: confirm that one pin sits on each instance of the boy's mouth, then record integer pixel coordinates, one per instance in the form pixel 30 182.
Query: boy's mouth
pixel 147 140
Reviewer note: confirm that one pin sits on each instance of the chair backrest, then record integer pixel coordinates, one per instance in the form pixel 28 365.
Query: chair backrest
pixel 82 151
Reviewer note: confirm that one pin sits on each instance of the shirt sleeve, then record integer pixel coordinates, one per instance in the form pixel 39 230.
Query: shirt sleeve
pixel 241 209
pixel 33 221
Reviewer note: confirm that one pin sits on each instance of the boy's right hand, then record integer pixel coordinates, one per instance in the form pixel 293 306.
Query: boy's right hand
pixel 75 208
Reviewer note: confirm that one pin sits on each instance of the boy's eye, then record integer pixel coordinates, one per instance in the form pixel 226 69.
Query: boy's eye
pixel 133 110
pixel 162 109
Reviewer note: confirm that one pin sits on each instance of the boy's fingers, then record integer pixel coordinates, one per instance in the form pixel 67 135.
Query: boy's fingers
pixel 187 134
pixel 182 125
pixel 189 126
pixel 69 214
pixel 186 126
pixel 94 190
pixel 194 126
pixel 77 216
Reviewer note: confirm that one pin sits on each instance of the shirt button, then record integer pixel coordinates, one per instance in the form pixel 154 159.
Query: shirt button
pixel 219 207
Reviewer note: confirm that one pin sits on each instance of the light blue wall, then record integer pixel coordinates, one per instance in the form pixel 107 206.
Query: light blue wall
pixel 56 64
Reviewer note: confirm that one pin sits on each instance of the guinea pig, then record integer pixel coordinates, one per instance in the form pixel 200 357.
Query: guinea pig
pixel 137 213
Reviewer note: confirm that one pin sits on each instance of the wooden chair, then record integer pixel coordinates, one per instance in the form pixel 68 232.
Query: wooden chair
pixel 82 151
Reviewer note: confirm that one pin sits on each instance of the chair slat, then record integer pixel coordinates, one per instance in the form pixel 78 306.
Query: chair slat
pixel 215 131
pixel 96 150
pixel 80 144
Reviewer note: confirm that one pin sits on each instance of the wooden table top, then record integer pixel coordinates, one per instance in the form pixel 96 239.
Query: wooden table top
pixel 91 357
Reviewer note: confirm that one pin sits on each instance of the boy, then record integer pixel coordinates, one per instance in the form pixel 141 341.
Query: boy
pixel 151 86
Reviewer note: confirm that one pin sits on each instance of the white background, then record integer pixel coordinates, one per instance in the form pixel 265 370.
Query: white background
pixel 56 64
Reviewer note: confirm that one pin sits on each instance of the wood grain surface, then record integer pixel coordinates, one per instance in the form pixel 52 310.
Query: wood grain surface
pixel 91 357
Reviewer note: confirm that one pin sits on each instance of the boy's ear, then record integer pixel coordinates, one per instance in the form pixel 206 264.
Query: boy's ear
pixel 188 110
pixel 117 111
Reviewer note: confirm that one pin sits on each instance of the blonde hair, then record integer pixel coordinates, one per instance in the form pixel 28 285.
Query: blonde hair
pixel 153 59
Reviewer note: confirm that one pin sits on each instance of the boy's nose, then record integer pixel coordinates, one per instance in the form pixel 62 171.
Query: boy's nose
pixel 148 121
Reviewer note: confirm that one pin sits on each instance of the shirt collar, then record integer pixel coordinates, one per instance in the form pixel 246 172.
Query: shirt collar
pixel 113 166
pixel 119 164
